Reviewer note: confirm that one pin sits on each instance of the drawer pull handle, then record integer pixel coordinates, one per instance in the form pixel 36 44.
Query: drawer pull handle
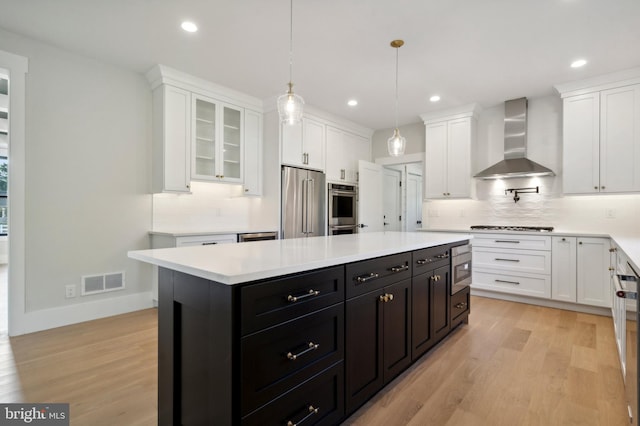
pixel 400 268
pixel 507 260
pixel 368 277
pixel 442 256
pixel 387 297
pixel 423 261
pixel 312 410
pixel 209 244
pixel 310 347
pixel 310 293
pixel 461 306
pixel 508 241
pixel 507 282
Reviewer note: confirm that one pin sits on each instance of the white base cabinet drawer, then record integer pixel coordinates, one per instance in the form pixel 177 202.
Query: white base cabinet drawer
pixel 510 241
pixel 531 261
pixel 516 283
pixel 205 240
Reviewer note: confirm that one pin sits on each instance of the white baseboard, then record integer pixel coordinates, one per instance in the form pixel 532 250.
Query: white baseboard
pixel 65 315
pixel 567 306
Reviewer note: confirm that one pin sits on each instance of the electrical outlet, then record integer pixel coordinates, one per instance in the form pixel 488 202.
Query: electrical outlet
pixel 69 291
pixel 610 213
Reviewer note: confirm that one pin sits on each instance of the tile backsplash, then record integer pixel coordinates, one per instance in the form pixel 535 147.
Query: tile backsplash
pixel 602 213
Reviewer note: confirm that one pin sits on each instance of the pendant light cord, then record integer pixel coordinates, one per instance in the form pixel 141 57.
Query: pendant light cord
pixel 397 48
pixel 290 42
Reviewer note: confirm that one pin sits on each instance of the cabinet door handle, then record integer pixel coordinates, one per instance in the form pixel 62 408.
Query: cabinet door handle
pixel 423 261
pixel 507 282
pixel 507 260
pixel 508 241
pixel 311 411
pixel 310 293
pixel 436 277
pixel 367 277
pixel 387 297
pixel 461 306
pixel 399 268
pixel 310 347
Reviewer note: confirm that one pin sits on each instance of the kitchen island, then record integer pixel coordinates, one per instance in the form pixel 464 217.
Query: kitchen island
pixel 279 331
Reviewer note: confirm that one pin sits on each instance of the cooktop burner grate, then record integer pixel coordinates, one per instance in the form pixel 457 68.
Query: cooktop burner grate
pixel 512 228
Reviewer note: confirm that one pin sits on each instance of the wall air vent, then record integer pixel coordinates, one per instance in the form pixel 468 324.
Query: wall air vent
pixel 94 284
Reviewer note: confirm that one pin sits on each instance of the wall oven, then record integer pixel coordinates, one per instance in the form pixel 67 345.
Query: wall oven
pixel 343 218
pixel 460 268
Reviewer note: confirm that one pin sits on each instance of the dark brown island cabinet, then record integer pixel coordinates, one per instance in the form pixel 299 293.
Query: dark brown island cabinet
pixel 301 349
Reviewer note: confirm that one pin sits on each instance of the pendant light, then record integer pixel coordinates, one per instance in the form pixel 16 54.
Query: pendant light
pixel 290 105
pixel 396 143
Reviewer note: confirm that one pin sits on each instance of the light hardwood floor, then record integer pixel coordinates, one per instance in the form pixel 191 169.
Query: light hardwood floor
pixel 513 364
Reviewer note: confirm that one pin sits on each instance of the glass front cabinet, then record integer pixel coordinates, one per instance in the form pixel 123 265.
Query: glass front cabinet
pixel 217 146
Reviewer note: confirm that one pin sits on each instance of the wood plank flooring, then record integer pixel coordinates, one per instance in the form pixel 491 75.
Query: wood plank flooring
pixel 514 364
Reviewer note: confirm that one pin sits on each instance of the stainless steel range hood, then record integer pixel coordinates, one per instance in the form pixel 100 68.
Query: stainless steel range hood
pixel 515 163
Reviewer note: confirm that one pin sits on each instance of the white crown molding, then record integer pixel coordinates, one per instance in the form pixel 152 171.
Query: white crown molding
pixel 598 83
pixel 470 110
pixel 162 74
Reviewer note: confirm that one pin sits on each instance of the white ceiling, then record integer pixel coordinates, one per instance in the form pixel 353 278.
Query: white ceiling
pixel 483 51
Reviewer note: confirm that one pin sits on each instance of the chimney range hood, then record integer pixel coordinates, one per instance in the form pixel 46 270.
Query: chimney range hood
pixel 515 163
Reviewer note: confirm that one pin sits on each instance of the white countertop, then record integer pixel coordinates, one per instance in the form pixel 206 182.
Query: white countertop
pixel 239 263
pixel 178 233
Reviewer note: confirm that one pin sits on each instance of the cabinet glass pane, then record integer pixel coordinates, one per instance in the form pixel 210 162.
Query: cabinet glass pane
pixel 231 148
pixel 205 145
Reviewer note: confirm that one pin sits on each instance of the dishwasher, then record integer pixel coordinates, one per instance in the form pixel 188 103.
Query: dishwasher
pixel 257 236
pixel 627 289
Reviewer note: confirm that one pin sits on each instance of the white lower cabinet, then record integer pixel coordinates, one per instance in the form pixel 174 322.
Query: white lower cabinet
pixel 563 271
pixel 506 263
pixel 580 268
pixel 593 276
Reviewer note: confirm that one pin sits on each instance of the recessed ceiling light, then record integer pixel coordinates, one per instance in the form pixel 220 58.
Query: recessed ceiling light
pixel 434 98
pixel 352 102
pixel 189 27
pixel 578 63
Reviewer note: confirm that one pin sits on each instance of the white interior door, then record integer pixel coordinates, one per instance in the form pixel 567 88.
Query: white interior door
pixel 414 202
pixel 391 199
pixel 370 212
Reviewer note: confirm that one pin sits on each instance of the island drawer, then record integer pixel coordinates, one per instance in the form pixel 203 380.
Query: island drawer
pixel 275 301
pixel 428 259
pixel 281 357
pixel 368 275
pixel 460 306
pixel 318 401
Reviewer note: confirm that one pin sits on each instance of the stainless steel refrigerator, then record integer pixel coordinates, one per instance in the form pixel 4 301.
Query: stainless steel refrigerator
pixel 303 203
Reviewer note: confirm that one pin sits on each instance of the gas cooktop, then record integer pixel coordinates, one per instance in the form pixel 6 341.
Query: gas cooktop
pixel 512 228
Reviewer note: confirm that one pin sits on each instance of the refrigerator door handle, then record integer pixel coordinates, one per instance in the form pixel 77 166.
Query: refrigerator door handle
pixel 310 196
pixel 305 205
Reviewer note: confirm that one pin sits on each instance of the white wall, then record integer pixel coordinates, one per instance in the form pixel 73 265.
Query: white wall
pixel 414 133
pixel 491 206
pixel 88 159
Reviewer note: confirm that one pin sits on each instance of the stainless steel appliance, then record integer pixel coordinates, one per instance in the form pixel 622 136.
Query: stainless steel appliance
pixel 257 236
pixel 460 268
pixel 627 288
pixel 303 203
pixel 512 228
pixel 342 215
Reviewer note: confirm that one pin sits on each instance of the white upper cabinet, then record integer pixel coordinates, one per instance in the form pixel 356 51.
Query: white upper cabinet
pixel 303 145
pixel 171 139
pixel 252 153
pixel 601 137
pixel 200 133
pixel 217 141
pixel 344 150
pixel 449 137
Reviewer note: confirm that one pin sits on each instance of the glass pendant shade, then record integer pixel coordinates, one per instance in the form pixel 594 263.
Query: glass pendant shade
pixel 290 107
pixel 396 144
